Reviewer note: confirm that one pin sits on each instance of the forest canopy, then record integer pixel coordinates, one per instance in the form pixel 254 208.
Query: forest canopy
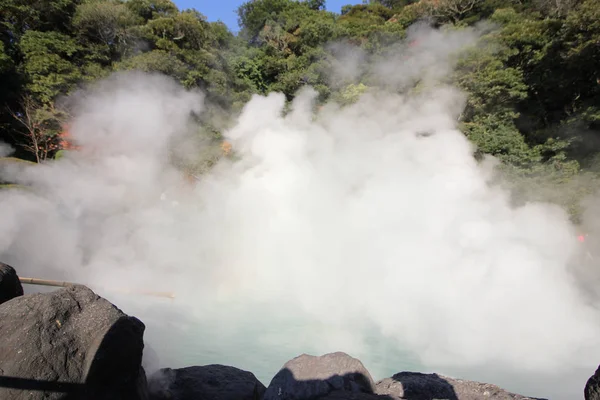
pixel 533 90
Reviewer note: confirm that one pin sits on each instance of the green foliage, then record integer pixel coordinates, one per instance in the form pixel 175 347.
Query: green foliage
pixel 48 63
pixel 533 82
pixel 253 15
pixel 393 4
pixel 104 22
pixel 19 16
pixel 495 136
pixel 156 61
pixel 362 20
pixel 248 73
pixel 493 86
pixel 186 30
pixel 315 4
pixel 5 60
pixel 349 94
pixel 151 9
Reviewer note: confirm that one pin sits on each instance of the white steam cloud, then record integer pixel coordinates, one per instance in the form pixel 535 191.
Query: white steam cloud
pixel 5 149
pixel 320 235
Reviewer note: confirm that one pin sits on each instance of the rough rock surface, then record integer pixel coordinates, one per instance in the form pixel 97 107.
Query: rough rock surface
pixel 214 382
pixel 10 286
pixel 592 387
pixel 337 395
pixel 418 386
pixel 69 344
pixel 311 377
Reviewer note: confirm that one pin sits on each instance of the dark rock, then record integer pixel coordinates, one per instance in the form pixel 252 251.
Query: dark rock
pixel 592 387
pixel 10 286
pixel 338 395
pixel 310 377
pixel 214 382
pixel 417 386
pixel 69 344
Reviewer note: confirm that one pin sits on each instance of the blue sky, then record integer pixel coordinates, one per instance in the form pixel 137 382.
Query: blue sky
pixel 225 9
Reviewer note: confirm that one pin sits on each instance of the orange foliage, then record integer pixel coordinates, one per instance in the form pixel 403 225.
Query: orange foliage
pixel 64 140
pixel 226 147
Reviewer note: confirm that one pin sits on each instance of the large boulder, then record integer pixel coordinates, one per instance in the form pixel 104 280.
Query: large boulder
pixel 418 386
pixel 310 377
pixel 10 286
pixel 592 387
pixel 214 382
pixel 69 344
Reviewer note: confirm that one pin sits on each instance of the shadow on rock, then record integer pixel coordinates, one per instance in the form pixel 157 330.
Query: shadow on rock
pixel 10 286
pixel 24 384
pixel 419 386
pixel 215 382
pixel 331 376
pixel 334 387
pixel 69 344
pixel 115 371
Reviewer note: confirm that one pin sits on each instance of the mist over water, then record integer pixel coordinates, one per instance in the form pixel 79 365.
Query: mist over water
pixel 349 230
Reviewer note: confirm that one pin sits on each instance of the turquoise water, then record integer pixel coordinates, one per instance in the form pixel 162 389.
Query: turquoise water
pixel 262 341
pixel 263 345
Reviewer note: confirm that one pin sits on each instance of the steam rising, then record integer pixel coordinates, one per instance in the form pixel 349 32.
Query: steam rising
pixel 5 150
pixel 350 225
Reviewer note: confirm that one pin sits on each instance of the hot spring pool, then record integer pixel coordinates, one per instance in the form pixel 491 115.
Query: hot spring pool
pixel 263 343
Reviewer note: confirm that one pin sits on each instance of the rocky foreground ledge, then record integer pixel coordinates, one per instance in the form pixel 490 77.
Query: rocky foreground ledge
pixel 72 344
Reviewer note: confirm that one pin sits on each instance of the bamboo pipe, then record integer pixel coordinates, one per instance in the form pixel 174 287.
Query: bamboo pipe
pixel 44 282
pixel 47 282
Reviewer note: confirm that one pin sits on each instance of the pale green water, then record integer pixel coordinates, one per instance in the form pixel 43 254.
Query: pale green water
pixel 264 346
pixel 263 343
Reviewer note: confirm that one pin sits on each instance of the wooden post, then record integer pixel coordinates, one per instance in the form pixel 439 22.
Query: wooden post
pixel 47 282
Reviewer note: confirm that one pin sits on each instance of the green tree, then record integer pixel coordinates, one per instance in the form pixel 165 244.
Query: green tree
pixel 49 63
pixel 39 126
pixel 152 9
pixel 253 15
pixel 105 22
